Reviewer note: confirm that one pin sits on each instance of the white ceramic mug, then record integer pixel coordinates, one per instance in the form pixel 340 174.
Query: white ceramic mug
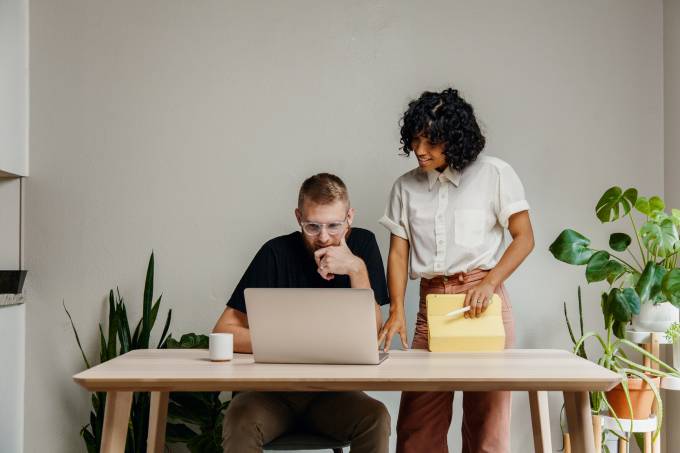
pixel 221 347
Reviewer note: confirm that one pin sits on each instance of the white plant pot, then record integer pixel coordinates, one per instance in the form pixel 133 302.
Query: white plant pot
pixel 655 318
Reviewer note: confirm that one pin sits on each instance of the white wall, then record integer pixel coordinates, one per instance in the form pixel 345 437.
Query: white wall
pixel 14 87
pixel 671 58
pixel 186 128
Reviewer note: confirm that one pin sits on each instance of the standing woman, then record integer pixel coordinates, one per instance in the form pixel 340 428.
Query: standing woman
pixel 447 220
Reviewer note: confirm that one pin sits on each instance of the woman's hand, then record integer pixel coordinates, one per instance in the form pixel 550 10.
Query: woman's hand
pixel 478 298
pixel 395 324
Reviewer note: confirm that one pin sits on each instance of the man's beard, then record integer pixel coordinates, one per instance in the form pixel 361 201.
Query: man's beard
pixel 312 247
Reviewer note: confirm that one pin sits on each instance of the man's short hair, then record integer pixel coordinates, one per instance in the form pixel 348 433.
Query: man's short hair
pixel 323 188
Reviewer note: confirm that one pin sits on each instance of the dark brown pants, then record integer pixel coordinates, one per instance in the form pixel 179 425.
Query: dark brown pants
pixel 254 419
pixel 425 417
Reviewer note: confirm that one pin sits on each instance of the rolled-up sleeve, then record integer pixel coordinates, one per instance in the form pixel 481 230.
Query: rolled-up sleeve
pixel 394 219
pixel 511 197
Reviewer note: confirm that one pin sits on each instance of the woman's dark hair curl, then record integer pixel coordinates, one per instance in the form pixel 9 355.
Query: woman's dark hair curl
pixel 444 118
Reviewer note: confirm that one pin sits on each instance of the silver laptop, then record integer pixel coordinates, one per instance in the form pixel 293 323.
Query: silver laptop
pixel 313 325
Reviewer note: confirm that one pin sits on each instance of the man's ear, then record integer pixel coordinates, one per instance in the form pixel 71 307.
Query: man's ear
pixel 350 216
pixel 298 215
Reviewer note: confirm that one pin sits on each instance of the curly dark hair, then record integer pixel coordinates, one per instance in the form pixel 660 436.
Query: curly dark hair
pixel 444 118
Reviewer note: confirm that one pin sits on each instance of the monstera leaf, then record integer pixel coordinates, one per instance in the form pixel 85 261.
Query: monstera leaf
pixel 649 284
pixel 648 206
pixel 619 241
pixel 600 267
pixel 670 286
pixel 571 247
pixel 623 304
pixel 615 203
pixel 661 238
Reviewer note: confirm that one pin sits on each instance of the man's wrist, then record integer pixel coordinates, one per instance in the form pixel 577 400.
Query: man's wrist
pixel 358 267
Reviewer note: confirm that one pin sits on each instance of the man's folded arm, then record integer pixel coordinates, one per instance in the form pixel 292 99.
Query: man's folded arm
pixel 235 322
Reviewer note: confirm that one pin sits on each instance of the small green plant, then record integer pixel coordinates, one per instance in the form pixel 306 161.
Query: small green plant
pixel 200 413
pixel 118 340
pixel 651 275
pixel 673 332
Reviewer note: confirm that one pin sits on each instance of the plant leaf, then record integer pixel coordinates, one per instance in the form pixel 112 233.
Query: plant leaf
pixel 614 199
pixel 178 433
pixel 103 350
pixel 675 217
pixel 671 286
pixel 614 271
pixel 113 327
pixel 146 305
pixel 135 343
pixel 75 332
pixel 650 206
pixel 123 327
pixel 596 269
pixel 165 329
pixel 649 284
pixel 619 241
pixel 623 304
pixel 659 238
pixel 642 205
pixel 656 204
pixel 571 247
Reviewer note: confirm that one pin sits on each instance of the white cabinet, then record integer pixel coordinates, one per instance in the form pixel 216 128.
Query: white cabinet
pixel 13 88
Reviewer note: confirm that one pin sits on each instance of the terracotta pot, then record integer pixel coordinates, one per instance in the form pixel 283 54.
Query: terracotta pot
pixel 641 398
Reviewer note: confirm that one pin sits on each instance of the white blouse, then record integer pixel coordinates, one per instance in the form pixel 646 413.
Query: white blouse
pixel 454 221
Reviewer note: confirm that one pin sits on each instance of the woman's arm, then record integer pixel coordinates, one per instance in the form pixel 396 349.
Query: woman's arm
pixel 519 225
pixel 235 322
pixel 397 276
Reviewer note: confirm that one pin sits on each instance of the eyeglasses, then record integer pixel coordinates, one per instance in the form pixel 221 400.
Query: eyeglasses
pixel 314 229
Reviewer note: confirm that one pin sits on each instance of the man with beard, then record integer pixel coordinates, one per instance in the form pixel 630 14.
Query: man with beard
pixel 326 253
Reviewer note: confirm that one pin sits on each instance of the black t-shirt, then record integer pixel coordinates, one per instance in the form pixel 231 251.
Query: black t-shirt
pixel 285 262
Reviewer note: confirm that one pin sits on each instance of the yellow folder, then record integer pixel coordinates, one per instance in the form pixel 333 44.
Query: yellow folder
pixel 457 333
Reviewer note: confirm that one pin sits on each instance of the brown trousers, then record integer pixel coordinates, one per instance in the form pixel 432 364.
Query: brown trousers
pixel 254 419
pixel 425 417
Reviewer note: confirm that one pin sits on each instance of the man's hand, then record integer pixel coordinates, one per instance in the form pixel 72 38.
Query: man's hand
pixel 337 260
pixel 478 298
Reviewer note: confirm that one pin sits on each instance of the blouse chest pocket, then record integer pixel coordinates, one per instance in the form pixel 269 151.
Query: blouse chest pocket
pixel 469 227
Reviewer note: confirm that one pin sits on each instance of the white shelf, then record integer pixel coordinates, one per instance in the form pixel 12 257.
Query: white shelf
pixel 638 426
pixel 670 383
pixel 645 337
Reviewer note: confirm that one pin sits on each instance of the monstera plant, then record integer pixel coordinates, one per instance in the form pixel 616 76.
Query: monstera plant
pixel 641 270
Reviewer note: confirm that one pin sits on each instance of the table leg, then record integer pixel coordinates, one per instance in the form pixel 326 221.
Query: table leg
pixel 540 421
pixel 580 422
pixel 116 417
pixel 655 349
pixel 158 413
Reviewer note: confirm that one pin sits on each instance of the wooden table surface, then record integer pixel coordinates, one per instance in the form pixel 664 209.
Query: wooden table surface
pixel 533 370
pixel 190 370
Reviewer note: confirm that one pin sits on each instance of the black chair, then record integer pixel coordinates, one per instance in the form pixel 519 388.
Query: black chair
pixel 305 441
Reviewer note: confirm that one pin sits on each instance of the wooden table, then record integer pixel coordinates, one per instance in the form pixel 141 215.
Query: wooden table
pixel 532 370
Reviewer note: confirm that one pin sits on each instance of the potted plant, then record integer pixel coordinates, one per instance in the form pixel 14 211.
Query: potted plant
pixel 649 279
pixel 634 396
